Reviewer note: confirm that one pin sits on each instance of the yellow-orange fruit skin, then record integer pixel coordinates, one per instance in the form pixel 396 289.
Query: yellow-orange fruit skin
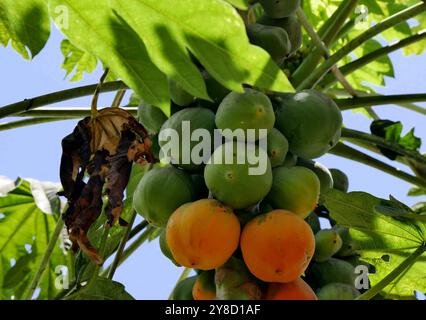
pixel 295 290
pixel 201 293
pixel 203 234
pixel 277 246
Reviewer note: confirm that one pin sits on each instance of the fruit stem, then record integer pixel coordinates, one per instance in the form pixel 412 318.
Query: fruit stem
pixel 45 260
pixel 313 77
pixel 54 97
pixel 29 122
pixel 403 267
pixel 185 273
pixel 347 152
pixel 329 80
pixel 376 140
pixel 327 34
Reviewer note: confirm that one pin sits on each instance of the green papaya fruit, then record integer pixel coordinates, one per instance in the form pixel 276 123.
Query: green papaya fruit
pixel 291 25
pixel 327 243
pixel 249 112
pixel 340 179
pixel 323 174
pixel 331 270
pixel 349 246
pixel 337 291
pixel 277 147
pixel 311 122
pixel 274 40
pixel 290 160
pixel 235 282
pixel 280 8
pixel 164 247
pixel 183 290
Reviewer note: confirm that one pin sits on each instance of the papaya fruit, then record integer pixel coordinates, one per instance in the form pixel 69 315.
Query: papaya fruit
pixel 234 282
pixel 178 149
pixel 313 220
pixel 311 122
pixel 183 290
pixel 234 182
pixel 291 25
pixel 279 8
pixel 277 246
pixel 277 147
pixel 274 40
pixel 205 286
pixel 323 174
pixel 327 243
pixel 295 189
pixel 150 201
pixel 337 291
pixel 331 270
pixel 151 117
pixel 164 247
pixel 295 290
pixel 340 179
pixel 179 95
pixel 203 234
pixel 349 246
pixel 249 111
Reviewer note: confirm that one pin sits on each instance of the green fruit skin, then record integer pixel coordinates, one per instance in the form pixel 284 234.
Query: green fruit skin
pixel 327 243
pixel 337 291
pixel 331 270
pixel 235 282
pixel 207 280
pixel 179 95
pixel 274 40
pixel 295 189
pixel 198 118
pixel 349 247
pixel 311 122
pixel 183 290
pixel 151 117
pixel 313 220
pixel 280 8
pixel 323 174
pixel 290 160
pixel 341 181
pixel 291 25
pixel 150 199
pixel 277 147
pixel 164 247
pixel 249 110
pixel 232 184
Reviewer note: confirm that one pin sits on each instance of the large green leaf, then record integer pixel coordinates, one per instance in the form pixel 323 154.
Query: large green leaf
pixel 94 27
pixel 102 289
pixel 30 212
pixel 240 4
pixel 25 24
pixel 77 61
pixel 385 240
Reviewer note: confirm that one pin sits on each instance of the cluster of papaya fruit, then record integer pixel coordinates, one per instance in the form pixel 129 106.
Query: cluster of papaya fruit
pixel 249 236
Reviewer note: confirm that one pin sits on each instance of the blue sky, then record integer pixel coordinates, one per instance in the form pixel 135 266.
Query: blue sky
pixel 35 151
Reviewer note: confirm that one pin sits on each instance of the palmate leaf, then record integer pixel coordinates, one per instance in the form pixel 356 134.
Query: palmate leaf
pixel 385 240
pixel 146 41
pixel 102 289
pixel 77 61
pixel 30 214
pixel 24 24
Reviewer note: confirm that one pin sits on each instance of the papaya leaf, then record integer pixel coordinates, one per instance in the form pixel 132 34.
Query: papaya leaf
pixel 94 27
pixel 28 222
pixel 102 289
pixel 385 242
pixel 77 61
pixel 24 24
pixel 416 191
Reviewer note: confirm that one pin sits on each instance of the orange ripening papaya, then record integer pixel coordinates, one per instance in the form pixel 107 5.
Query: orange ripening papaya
pixel 296 290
